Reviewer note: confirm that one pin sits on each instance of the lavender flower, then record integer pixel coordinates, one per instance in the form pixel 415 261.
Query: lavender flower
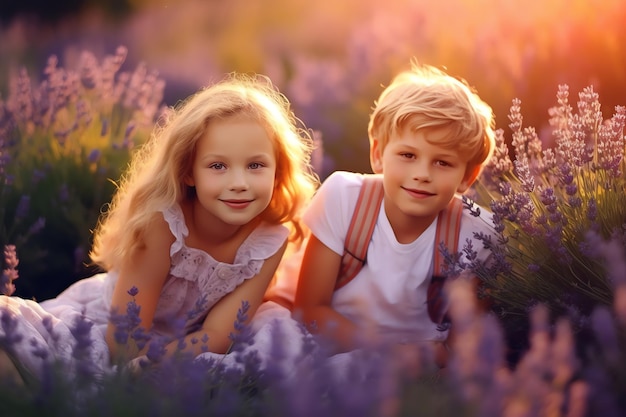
pixel 22 208
pixel 522 169
pixel 65 135
pixel 500 164
pixel 156 349
pixel 9 271
pixel 610 145
pixel 242 336
pixel 94 156
pixel 11 337
pixel 126 325
pixel 545 203
pixel 81 331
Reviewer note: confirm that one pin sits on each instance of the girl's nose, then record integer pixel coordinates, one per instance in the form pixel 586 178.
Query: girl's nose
pixel 238 181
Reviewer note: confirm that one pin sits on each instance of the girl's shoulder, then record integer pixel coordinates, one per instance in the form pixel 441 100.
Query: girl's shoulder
pixel 173 220
pixel 263 241
pixel 158 238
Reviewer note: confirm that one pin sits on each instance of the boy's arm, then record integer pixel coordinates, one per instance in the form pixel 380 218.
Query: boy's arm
pixel 316 284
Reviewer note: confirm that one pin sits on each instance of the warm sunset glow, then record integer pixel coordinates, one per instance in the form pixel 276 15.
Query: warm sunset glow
pixel 538 330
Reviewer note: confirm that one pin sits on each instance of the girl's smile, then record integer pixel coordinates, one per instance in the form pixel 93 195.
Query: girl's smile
pixel 237 204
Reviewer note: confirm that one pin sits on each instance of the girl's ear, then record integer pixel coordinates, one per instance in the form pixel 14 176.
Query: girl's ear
pixel 188 180
pixel 468 179
pixel 376 156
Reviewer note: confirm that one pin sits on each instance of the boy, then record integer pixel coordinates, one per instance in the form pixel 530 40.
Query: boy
pixel 430 136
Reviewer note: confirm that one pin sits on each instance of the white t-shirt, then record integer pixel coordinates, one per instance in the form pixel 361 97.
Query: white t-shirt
pixel 389 292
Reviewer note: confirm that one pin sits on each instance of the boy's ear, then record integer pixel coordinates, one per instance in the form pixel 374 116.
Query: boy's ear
pixel 376 156
pixel 468 180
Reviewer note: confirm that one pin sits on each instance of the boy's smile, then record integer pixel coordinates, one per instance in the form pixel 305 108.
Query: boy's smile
pixel 418 193
pixel 420 178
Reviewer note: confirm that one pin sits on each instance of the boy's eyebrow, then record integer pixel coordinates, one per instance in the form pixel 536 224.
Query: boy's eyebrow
pixel 450 152
pixel 445 152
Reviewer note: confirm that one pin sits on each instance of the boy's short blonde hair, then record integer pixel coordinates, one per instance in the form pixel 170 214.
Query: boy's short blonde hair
pixel 425 97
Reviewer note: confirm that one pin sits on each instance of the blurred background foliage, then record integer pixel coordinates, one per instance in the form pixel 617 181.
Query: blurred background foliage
pixel 331 58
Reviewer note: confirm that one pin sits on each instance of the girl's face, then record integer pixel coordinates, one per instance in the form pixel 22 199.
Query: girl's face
pixel 234 170
pixel 420 177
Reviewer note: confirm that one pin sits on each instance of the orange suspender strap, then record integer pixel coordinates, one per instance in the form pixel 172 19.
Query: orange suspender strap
pixel 448 230
pixel 361 229
pixel 364 220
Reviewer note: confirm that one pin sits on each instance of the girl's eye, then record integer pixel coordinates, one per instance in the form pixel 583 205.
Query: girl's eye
pixel 217 165
pixel 256 165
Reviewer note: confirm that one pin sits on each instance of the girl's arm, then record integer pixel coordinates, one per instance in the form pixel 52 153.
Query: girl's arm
pixel 146 271
pixel 219 323
pixel 316 284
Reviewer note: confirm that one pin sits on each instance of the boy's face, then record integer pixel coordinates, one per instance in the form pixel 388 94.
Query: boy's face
pixel 419 176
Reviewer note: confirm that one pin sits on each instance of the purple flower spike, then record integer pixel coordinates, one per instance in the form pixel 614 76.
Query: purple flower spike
pixel 9 271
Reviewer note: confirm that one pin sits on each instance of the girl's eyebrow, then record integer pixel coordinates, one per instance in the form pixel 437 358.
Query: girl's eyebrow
pixel 261 155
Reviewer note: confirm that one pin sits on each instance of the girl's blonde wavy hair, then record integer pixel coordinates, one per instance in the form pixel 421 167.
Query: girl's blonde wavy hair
pixel 154 179
pixel 425 97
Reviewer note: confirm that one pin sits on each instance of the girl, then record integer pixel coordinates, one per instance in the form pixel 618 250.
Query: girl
pixel 197 226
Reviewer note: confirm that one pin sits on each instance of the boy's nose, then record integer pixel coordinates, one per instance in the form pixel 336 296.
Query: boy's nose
pixel 422 173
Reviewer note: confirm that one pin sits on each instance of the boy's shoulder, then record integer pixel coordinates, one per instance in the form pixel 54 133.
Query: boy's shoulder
pixel 346 179
pixel 338 195
pixel 344 188
pixel 476 218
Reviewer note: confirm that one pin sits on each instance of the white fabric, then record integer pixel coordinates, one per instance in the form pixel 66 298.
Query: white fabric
pixel 194 275
pixel 389 292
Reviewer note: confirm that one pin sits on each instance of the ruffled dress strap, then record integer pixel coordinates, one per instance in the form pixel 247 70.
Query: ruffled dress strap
pixel 214 278
pixel 176 220
pixel 262 243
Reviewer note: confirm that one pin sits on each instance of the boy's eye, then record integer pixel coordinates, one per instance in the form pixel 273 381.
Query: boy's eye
pixel 407 155
pixel 442 163
pixel 217 165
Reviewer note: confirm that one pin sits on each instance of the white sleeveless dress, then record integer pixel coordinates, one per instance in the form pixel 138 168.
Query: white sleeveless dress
pixel 36 332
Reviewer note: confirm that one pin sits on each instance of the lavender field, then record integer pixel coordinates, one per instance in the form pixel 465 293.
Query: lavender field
pixel 81 88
